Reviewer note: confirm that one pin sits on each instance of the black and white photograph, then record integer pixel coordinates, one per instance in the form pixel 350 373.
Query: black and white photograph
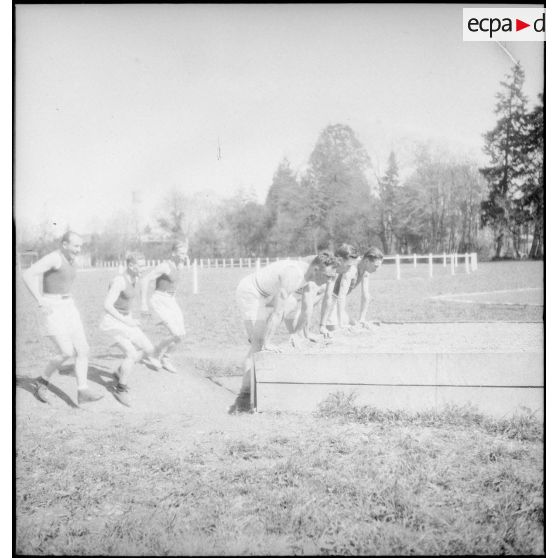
pixel 279 279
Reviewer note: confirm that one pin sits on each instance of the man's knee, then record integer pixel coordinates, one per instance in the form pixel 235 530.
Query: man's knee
pixel 82 350
pixel 133 354
pixel 178 338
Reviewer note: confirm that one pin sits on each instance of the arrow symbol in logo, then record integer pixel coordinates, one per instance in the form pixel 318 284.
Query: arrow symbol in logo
pixel 519 25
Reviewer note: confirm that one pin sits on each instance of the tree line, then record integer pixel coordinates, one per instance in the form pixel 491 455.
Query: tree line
pixel 443 204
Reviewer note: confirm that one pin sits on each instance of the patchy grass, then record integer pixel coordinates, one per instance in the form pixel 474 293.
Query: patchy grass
pixel 525 425
pixel 287 485
pixel 349 480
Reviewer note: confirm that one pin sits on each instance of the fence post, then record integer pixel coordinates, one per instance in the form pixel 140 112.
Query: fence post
pixel 414 260
pixel 467 263
pixel 452 263
pixel 397 267
pixel 195 277
pixel 267 261
pixel 456 260
pixel 201 263
pixel 257 264
pixel 444 259
pixel 430 266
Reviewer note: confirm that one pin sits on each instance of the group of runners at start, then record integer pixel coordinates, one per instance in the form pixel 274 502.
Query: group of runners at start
pixel 284 291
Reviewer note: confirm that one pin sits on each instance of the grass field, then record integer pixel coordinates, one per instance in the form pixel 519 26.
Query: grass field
pixel 176 474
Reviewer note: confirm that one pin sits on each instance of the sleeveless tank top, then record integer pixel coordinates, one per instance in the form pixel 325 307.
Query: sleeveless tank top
pixel 352 273
pixel 59 281
pixel 267 278
pixel 166 283
pixel 124 301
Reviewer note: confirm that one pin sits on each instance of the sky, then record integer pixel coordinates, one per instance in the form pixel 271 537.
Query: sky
pixel 112 99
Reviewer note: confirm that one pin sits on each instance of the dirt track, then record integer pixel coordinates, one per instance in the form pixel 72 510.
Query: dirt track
pixel 167 397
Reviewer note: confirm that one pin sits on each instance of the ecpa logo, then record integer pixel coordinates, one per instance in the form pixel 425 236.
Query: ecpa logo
pixel 503 24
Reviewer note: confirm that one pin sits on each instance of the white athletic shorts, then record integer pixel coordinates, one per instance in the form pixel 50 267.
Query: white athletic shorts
pixel 166 308
pixel 121 331
pixel 255 307
pixel 61 319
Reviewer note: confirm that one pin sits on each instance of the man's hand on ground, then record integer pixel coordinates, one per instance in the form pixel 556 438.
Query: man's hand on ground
pixel 271 348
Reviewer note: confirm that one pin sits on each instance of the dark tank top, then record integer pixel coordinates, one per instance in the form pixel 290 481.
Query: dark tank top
pixel 166 283
pixel 59 281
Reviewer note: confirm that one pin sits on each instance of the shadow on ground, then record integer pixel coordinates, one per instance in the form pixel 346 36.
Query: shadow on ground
pixel 96 374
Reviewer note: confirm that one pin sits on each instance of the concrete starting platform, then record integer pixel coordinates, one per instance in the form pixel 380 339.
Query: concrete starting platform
pixel 498 368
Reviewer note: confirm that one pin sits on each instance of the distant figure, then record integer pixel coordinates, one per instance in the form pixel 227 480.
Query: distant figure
pixel 49 280
pixel 357 273
pixel 125 330
pixel 167 276
pixel 267 297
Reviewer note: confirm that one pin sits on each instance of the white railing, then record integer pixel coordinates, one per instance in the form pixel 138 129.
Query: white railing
pixel 469 260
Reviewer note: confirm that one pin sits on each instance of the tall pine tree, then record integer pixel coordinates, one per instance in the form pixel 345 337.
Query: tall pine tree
pixel 505 145
pixel 388 189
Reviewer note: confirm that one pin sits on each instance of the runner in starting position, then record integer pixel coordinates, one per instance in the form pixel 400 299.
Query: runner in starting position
pixel 357 274
pixel 267 297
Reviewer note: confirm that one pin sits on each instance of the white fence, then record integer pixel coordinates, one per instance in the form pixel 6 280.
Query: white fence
pixel 469 261
pixel 453 261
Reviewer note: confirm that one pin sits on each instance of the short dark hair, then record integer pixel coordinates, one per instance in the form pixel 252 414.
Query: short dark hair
pixel 325 259
pixel 67 236
pixel 373 254
pixel 347 251
pixel 132 257
pixel 179 246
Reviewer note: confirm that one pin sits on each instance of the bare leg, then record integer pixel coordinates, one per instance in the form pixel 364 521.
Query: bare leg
pixel 82 359
pixel 255 332
pixel 65 351
pixel 131 356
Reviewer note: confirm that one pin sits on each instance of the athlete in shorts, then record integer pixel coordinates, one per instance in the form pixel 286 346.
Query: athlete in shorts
pixel 267 297
pixel 163 303
pixel 49 280
pixel 125 330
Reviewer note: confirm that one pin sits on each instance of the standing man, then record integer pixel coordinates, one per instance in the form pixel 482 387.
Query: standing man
pixel 50 280
pixel 163 302
pixel 267 296
pixel 119 323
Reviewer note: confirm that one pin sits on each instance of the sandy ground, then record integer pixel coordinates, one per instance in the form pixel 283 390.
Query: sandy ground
pixel 204 402
pixel 438 338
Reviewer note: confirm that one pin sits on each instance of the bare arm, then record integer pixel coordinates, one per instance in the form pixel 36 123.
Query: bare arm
pixel 327 305
pixel 289 281
pixel 276 316
pixel 149 278
pixel 116 287
pixel 365 297
pixel 307 307
pixel 32 277
pixel 342 299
